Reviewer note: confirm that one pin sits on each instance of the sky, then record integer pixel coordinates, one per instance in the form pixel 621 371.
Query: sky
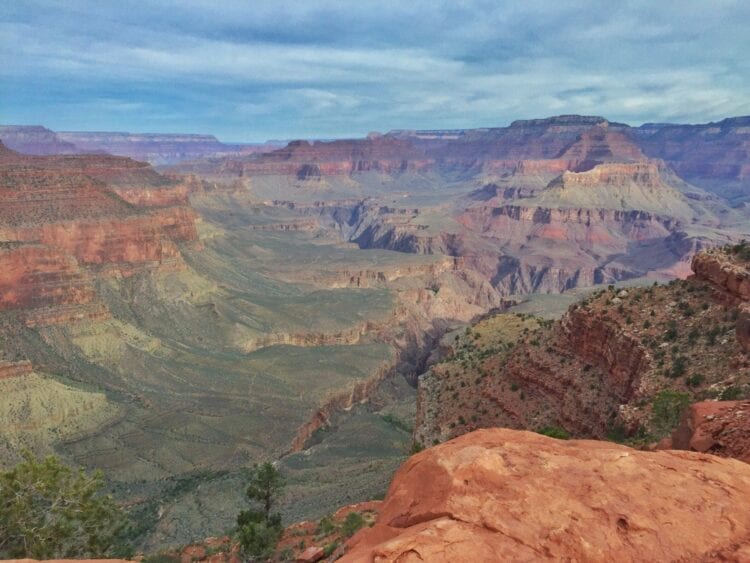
pixel 255 70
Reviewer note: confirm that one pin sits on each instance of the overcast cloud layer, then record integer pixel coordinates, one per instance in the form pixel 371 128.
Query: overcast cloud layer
pixel 256 70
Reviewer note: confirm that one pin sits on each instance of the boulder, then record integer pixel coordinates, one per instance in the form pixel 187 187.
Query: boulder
pixel 718 427
pixel 311 555
pixel 500 495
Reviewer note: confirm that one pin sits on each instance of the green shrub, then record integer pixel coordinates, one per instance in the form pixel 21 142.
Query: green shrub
pixel 731 394
pixel 667 409
pixel 330 548
pixel 694 380
pixel 161 558
pixel 679 366
pixel 396 422
pixel 671 334
pixel 554 432
pixel 616 433
pixel 352 524
pixel 325 526
pixel 259 539
pixel 258 531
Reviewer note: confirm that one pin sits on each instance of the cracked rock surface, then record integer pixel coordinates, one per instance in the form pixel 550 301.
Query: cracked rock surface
pixel 499 495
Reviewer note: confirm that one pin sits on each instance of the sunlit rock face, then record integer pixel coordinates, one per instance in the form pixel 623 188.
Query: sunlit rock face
pixel 501 494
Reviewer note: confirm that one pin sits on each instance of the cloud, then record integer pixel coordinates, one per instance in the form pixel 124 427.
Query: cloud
pixel 250 71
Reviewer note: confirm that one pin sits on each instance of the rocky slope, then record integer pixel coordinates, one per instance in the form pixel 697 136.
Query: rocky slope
pixel 507 495
pixel 621 363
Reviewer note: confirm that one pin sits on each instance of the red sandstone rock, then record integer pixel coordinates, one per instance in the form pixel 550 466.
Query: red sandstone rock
pixel 731 277
pixel 718 427
pixel 743 327
pixel 307 534
pixel 311 555
pixel 500 495
pixel 71 202
pixel 47 285
pixel 193 553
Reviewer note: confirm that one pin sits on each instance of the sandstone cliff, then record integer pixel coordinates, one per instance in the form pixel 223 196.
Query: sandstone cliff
pixel 717 427
pixel 66 218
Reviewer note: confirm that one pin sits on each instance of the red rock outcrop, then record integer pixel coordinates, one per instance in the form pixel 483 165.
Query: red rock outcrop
pixel 593 145
pixel 305 540
pixel 743 327
pixel 717 427
pixel 502 495
pixel 33 275
pixel 600 341
pixel 732 279
pixel 600 144
pixel 730 276
pixel 531 139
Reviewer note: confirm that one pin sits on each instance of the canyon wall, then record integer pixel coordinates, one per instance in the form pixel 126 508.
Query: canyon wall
pixel 63 219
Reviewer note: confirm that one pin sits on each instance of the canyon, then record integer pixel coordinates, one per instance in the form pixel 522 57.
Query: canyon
pixel 308 304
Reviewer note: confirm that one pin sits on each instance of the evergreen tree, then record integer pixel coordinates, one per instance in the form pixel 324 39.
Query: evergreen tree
pixel 49 510
pixel 258 531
